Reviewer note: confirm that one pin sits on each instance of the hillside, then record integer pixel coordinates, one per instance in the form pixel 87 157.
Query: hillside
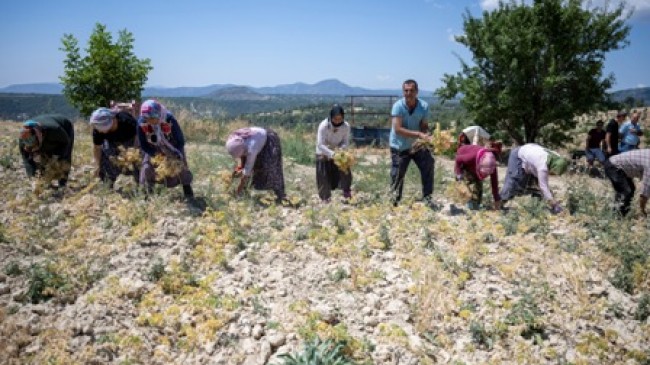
pixel 106 277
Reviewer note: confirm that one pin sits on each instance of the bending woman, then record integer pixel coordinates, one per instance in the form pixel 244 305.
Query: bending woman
pixel 259 155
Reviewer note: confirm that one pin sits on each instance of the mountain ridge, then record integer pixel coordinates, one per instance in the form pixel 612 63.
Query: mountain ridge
pixel 324 87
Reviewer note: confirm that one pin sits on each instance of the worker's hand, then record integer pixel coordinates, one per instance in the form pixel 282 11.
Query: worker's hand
pixel 238 172
pixel 556 208
pixel 242 186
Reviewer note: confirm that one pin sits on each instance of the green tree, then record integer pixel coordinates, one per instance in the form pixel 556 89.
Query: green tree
pixel 109 71
pixel 536 66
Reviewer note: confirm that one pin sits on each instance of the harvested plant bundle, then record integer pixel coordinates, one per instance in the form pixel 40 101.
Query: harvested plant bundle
pixel 127 159
pixel 167 166
pixel 344 160
pixel 459 192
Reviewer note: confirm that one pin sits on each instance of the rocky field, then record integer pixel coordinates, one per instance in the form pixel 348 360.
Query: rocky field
pixel 98 276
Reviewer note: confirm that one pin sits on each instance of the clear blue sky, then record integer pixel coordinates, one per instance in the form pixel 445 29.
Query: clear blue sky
pixel 368 43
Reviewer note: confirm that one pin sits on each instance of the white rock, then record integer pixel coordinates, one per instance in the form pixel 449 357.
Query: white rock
pixel 276 340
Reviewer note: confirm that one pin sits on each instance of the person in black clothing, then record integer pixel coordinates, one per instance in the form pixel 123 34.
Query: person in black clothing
pixel 611 133
pixel 113 133
pixel 595 138
pixel 44 140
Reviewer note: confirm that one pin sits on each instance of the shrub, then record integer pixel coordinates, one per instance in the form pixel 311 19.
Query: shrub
pixel 13 269
pixel 44 283
pixel 319 352
pixel 643 309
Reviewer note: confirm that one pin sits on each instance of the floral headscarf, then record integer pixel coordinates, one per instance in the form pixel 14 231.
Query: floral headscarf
pixel 31 135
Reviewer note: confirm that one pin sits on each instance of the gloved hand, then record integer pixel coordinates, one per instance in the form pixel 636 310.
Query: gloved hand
pixel 238 172
pixel 556 209
pixel 459 177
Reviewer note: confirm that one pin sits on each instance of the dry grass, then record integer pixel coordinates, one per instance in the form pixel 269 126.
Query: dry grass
pixel 482 287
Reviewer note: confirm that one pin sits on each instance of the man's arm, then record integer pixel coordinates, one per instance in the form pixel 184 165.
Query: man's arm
pixel 399 129
pixel 608 142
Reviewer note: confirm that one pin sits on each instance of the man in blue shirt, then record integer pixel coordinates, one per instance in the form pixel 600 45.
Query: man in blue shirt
pixel 409 122
pixel 630 132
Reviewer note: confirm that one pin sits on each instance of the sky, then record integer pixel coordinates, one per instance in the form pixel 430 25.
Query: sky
pixel 375 44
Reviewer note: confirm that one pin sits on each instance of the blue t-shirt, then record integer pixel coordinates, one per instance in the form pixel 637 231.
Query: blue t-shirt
pixel 410 121
pixel 627 137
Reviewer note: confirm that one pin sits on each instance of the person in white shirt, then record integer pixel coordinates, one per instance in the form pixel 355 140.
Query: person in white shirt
pixel 532 161
pixel 333 135
pixel 259 155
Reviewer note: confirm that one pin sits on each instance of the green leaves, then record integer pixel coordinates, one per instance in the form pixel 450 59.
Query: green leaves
pixel 109 71
pixel 536 66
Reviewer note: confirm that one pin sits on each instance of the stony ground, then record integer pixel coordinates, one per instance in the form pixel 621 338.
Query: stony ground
pixel 93 276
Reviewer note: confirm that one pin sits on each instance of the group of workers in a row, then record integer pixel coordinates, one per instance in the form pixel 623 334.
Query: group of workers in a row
pixel 259 155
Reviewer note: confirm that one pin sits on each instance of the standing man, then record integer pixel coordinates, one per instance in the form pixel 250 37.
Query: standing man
pixel 612 135
pixel 620 170
pixel 595 139
pixel 409 122
pixel 630 132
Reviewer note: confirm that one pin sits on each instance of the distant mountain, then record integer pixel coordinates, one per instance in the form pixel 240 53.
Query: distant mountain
pixel 241 93
pixel 38 88
pixel 639 94
pixel 325 87
pixel 188 91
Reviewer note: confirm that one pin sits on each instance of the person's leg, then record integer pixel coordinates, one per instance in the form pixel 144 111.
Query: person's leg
pixel 147 174
pixel 628 194
pixel 399 165
pixel 425 163
pixel 515 177
pixel 323 180
pixel 475 186
pixel 623 186
pixel 589 154
pixel 108 171
pixel 345 182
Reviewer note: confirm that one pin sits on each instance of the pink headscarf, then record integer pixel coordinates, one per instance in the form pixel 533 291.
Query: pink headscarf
pixel 236 143
pixel 486 163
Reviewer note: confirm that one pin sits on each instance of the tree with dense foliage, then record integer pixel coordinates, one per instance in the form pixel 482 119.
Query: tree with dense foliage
pixel 109 71
pixel 536 66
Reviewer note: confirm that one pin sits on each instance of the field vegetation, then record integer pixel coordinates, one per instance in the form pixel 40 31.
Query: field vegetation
pixel 97 276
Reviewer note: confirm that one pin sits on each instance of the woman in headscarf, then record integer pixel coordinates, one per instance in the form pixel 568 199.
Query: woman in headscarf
pixel 113 132
pixel 44 139
pixel 333 134
pixel 161 140
pixel 259 158
pixel 473 165
pixel 528 162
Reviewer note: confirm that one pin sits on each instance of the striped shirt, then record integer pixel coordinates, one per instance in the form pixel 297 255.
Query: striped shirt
pixel 635 163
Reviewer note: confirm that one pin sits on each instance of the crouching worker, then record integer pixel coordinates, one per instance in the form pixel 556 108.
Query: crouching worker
pixel 259 158
pixel 333 133
pixel 45 145
pixel 527 163
pixel 620 170
pixel 114 133
pixel 473 164
pixel 163 144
